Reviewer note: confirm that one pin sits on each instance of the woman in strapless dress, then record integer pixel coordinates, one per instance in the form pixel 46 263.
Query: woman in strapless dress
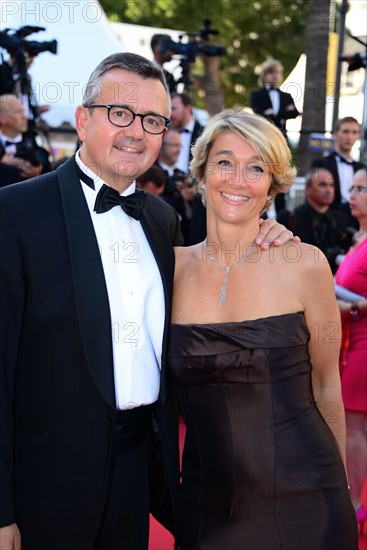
pixel 254 353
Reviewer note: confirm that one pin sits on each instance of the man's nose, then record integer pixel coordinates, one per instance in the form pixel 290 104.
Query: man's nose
pixel 135 129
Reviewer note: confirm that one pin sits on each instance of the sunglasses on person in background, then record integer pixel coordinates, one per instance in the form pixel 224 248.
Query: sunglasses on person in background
pixel 123 117
pixel 358 189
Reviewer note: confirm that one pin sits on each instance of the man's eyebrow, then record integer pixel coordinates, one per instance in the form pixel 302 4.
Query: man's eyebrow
pixel 128 106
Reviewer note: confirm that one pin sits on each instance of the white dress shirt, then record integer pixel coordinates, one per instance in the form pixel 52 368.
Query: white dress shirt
pixel 346 174
pixel 184 156
pixel 136 299
pixel 274 98
pixel 11 149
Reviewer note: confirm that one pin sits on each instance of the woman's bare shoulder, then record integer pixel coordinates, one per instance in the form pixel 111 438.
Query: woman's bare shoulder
pixel 185 255
pixel 301 256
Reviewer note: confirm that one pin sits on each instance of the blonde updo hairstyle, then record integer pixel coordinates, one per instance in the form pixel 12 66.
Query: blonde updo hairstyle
pixel 268 142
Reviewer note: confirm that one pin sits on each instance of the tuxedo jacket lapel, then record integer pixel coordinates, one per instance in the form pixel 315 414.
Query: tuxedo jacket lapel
pixel 89 282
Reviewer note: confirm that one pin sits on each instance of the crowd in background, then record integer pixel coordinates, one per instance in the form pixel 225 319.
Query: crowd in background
pixel 332 218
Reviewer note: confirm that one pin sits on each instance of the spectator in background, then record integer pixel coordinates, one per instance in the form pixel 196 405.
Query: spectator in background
pixel 153 180
pixel 315 222
pixel 340 163
pixel 352 274
pixel 269 101
pixel 167 159
pixel 17 147
pixel 180 191
pixel 182 120
pixel 159 58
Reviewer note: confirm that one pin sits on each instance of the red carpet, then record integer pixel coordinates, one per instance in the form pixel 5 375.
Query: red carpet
pixel 160 538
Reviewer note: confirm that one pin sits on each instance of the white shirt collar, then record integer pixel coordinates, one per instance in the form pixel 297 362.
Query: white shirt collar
pixel 98 182
pixel 190 126
pixel 16 139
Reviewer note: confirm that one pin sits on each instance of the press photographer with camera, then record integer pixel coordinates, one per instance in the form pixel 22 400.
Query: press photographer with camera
pixel 14 77
pixel 17 147
pixel 159 58
pixel 198 46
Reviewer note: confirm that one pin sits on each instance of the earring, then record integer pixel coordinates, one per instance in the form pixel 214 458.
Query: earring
pixel 268 198
pixel 203 187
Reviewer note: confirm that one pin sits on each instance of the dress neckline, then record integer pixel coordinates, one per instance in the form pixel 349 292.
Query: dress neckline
pixel 256 320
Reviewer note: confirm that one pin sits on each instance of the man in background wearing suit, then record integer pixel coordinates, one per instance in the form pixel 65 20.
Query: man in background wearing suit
pixel 340 163
pixel 269 101
pixel 182 120
pixel 86 274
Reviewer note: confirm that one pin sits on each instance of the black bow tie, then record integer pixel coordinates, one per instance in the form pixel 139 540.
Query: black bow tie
pixel 132 205
pixel 342 159
pixel 9 143
pixel 107 198
pixel 184 131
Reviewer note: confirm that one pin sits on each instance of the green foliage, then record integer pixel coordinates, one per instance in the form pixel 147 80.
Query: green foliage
pixel 251 31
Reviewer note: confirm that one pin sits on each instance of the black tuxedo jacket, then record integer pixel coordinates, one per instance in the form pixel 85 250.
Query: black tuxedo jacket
pixel 260 102
pixel 57 393
pixel 198 128
pixel 330 163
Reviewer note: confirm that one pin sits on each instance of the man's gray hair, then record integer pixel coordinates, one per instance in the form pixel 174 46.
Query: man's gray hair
pixel 125 61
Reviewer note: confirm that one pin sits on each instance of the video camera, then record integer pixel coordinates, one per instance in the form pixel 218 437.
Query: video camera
pixel 189 50
pixel 14 42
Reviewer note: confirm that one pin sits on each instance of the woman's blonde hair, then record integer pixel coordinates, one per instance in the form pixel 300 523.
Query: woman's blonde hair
pixel 268 142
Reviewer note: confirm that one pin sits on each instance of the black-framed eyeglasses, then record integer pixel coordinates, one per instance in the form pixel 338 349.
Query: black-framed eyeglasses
pixel 122 116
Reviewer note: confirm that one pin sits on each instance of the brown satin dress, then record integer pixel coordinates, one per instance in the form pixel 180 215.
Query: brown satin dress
pixel 261 469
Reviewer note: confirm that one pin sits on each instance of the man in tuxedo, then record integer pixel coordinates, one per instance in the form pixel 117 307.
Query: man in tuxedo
pixel 182 120
pixel 86 274
pixel 18 146
pixel 340 163
pixel 269 101
pixel 84 329
pixel 167 160
pixel 180 191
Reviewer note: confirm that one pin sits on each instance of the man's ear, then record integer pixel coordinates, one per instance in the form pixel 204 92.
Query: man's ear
pixel 164 134
pixel 81 119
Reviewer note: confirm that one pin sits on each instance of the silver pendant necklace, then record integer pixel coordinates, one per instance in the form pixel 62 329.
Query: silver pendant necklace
pixel 224 287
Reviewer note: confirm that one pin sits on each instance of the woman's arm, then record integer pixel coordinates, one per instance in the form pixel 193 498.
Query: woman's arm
pixel 323 321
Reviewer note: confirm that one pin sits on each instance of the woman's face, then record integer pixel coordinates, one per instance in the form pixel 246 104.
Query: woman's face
pixel 358 196
pixel 237 181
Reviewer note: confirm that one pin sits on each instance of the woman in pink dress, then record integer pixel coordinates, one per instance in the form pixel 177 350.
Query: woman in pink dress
pixel 352 274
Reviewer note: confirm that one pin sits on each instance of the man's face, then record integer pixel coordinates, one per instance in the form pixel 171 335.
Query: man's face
pixel 274 77
pixel 171 148
pixel 322 191
pixel 180 114
pixel 12 117
pixel 346 136
pixel 117 154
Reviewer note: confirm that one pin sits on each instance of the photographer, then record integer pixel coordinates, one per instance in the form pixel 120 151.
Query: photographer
pixel 18 147
pixel 14 77
pixel 159 58
pixel 198 46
